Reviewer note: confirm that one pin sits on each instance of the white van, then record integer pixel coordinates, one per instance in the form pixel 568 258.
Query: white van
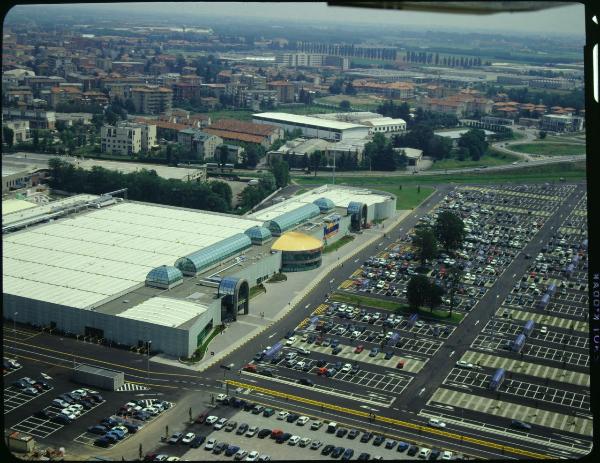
pixel 331 427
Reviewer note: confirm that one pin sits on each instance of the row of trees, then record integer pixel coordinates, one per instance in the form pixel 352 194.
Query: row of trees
pixel 379 154
pixel 572 99
pixel 144 185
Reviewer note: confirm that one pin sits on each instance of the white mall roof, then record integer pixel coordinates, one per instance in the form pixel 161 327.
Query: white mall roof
pixel 164 311
pixel 340 196
pixel 88 259
pixel 10 206
pixel 323 123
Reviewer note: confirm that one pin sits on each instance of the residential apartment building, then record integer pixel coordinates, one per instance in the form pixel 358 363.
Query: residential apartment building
pixel 203 145
pixel 37 119
pixel 127 138
pixel 285 90
pixel 152 99
pixel 20 131
pixel 66 94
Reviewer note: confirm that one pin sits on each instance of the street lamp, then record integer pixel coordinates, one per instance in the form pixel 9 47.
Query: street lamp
pixel 148 344
pixel 333 171
pixel 15 328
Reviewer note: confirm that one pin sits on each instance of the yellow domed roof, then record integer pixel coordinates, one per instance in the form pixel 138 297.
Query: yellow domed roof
pixel 296 241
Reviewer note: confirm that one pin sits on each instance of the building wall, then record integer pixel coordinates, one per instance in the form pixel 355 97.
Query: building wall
pixel 121 140
pixel 171 341
pixel 265 267
pixel 327 134
pixel 16 180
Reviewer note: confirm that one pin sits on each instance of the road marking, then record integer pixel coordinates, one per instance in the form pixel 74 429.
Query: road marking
pixel 421 391
pixel 477 322
pixel 332 280
pixel 451 354
pixel 273 334
pixel 307 306
pixel 355 260
pixel 514 275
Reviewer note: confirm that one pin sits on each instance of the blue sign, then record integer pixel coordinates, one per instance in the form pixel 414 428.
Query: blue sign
pixel 413 318
pixel 273 350
pixel 314 320
pixel 394 338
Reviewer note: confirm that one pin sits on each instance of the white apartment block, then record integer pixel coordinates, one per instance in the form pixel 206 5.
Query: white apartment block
pixel 127 138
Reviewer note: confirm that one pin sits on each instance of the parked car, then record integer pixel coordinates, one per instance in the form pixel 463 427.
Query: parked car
pixel 175 438
pixel 188 438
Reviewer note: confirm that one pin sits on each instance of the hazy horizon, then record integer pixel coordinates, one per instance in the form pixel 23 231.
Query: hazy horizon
pixel 559 20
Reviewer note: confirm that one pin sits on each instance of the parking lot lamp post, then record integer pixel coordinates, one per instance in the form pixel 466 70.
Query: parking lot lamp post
pixel 15 328
pixel 148 344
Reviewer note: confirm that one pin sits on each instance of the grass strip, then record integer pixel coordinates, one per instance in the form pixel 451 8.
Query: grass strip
pixel 338 244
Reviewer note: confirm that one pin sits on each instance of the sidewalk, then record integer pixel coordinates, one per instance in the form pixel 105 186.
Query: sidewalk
pixel 280 299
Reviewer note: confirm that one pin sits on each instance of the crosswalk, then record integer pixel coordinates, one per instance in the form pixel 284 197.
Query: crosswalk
pixel 320 310
pixel 132 387
pixel 346 284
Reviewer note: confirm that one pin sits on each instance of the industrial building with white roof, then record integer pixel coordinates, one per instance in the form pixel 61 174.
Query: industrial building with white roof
pixel 129 272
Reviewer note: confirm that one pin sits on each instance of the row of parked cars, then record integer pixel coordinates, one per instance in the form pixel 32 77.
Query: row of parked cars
pixel 9 365
pixel 72 405
pixel 30 386
pixel 128 419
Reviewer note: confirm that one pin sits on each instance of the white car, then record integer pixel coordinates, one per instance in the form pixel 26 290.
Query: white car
pixel 282 415
pixel 212 419
pixel 210 444
pixel 435 423
pixel 221 397
pixel 60 403
pixel 252 456
pixel 189 437
pixel 251 431
pixel 133 405
pixel 463 364
pixel 294 440
pixel 544 330
pixel 76 407
pixel 291 341
pixel 219 424
pixel 346 368
pixel 355 334
pixel 304 441
pixel 72 411
pixel 300 365
pixel 68 413
pixel 424 453
pixel 303 351
pixel 121 428
pixel 173 459
pixel 241 453
pixel 302 420
pixel 80 392
pixel 419 323
pixel 447 455
pixel 151 410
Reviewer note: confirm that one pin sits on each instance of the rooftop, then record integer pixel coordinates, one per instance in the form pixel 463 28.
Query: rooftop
pixel 164 311
pixel 294 118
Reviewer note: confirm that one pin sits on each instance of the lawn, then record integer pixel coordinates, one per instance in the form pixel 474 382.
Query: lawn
pixel 547 173
pixel 408 197
pixel 338 244
pixel 487 160
pixel 403 309
pixel 301 110
pixel 549 149
pixel 362 101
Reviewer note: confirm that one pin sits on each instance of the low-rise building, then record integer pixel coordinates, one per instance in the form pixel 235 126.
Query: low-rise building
pixel 127 138
pixel 561 123
pixel 37 119
pixel 20 131
pixel 247 132
pixel 202 144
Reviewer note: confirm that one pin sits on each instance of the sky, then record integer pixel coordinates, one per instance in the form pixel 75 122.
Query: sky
pixel 565 19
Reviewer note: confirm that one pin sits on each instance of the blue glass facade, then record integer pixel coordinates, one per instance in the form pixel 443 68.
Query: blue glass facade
pixel 290 219
pixel 325 204
pixel 259 235
pixel 164 276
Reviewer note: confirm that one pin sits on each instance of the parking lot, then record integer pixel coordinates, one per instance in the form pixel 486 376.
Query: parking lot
pixel 15 398
pixel 310 443
pixel 546 379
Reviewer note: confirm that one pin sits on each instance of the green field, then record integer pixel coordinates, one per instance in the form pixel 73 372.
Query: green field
pixel 549 149
pixel 409 197
pixel 362 101
pixel 552 172
pixel 338 244
pixel 487 160
pixel 302 110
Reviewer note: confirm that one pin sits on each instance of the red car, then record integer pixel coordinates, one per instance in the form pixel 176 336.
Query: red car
pixel 276 433
pixel 201 418
pixel 250 367
pixel 400 364
pixel 359 349
pixel 321 371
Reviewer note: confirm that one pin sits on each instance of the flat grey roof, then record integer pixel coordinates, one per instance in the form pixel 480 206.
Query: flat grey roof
pixel 99 371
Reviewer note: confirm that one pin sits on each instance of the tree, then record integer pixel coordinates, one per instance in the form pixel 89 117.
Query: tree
pixel 449 230
pixel 474 143
pixel 223 155
pixel 315 160
pixel 543 134
pixel 455 274
pixel 8 136
pixel 381 153
pixel 223 190
pixel 416 291
pixel 350 90
pixel 426 243
pixel 337 87
pixel 434 296
pixel 281 172
pixel 344 105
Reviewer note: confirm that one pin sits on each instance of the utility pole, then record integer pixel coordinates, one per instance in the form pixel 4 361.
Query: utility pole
pixel 148 344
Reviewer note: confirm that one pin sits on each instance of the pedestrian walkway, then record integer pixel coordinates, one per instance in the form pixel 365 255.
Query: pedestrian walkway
pixel 547 320
pixel 531 369
pixel 132 387
pixel 535 416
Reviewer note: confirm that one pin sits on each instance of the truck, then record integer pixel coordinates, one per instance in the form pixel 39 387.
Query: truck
pixel 497 379
pixel 331 427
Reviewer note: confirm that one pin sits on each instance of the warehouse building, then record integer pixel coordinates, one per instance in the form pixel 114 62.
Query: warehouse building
pixel 313 127
pixel 138 274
